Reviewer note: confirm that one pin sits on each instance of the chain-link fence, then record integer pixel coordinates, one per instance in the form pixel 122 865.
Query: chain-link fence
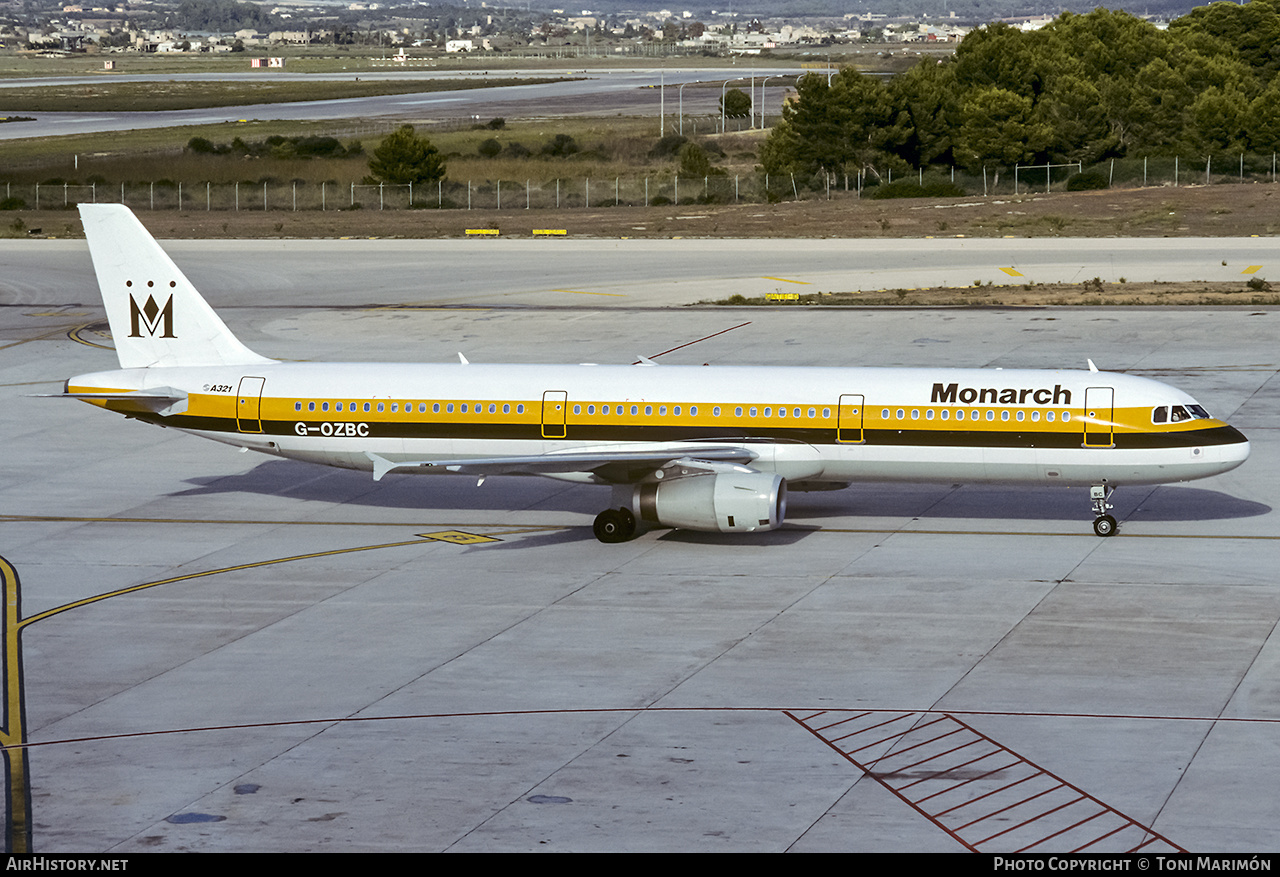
pixel 644 190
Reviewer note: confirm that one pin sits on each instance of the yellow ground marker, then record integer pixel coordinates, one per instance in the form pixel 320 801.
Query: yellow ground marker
pixel 1012 272
pixel 483 231
pixel 458 537
pixel 550 231
pixel 1252 269
pixel 785 280
pixel 583 292
pixel 782 296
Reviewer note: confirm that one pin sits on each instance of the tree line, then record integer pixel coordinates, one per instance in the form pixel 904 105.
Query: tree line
pixel 1082 89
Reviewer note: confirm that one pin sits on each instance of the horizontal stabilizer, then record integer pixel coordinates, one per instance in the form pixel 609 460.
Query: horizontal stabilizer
pixel 164 401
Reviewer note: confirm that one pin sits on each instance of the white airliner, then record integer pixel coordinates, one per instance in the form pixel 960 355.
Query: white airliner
pixel 701 448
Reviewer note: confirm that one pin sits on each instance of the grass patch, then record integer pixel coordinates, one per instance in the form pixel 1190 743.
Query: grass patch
pixel 122 97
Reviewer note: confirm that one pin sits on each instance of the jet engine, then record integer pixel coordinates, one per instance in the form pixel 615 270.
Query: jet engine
pixel 737 501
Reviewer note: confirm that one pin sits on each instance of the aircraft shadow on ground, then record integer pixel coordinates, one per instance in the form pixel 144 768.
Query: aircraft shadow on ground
pixel 289 479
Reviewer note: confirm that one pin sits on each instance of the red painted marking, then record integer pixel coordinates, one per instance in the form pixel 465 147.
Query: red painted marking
pixel 1041 816
pixel 695 341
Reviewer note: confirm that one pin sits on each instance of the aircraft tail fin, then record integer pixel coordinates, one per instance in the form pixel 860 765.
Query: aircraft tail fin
pixel 157 317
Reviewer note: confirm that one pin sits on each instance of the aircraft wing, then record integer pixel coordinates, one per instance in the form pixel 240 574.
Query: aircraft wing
pixel 610 465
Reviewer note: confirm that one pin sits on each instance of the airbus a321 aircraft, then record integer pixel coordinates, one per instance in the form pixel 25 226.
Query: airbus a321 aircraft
pixel 701 448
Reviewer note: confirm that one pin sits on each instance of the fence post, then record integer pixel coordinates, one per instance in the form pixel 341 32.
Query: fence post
pixel 499 191
pixel 179 197
pixel 264 197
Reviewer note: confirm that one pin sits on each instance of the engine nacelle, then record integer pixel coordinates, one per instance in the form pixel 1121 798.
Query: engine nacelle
pixel 724 502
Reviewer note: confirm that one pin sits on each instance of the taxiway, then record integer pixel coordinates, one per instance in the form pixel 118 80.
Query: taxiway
pixel 219 651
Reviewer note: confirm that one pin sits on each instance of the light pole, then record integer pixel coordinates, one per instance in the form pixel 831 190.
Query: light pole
pixel 681 93
pixel 762 85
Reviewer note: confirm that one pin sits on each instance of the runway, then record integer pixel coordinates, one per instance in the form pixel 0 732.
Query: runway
pixel 210 650
pixel 584 92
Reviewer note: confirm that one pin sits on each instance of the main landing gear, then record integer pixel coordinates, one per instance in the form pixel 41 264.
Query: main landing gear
pixel 1103 523
pixel 614 525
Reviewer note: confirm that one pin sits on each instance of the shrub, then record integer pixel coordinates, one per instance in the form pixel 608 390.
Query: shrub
pixel 13 202
pixel 490 148
pixel 909 188
pixel 668 147
pixel 324 147
pixel 1086 181
pixel 560 146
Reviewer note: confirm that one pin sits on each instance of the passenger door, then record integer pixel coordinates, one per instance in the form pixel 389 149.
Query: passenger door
pixel 849 419
pixel 249 405
pixel 1099 416
pixel 554 409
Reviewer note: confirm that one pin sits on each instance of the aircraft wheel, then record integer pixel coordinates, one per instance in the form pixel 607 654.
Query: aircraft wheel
pixel 614 525
pixel 1105 526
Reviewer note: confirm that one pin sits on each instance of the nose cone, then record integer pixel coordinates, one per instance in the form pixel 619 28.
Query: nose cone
pixel 1234 449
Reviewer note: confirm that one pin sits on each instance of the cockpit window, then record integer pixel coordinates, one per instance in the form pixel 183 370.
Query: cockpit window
pixel 1178 413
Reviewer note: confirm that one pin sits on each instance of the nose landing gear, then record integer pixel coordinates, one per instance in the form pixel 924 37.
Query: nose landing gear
pixel 1103 523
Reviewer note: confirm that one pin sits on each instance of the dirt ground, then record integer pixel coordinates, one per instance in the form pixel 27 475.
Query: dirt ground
pixel 1238 210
